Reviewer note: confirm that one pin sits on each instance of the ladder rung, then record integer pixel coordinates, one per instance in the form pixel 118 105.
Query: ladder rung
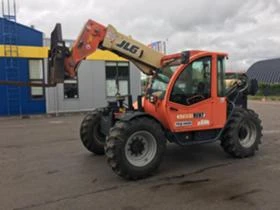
pixel 13 90
pixel 7 49
pixel 11 54
pixel 12 72
pixel 12 77
pixel 10 46
pixel 11 64
pixel 11 51
pixel 13 95
pixel 13 101
pixel 11 67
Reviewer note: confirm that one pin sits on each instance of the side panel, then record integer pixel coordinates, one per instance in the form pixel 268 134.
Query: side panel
pixel 91 90
pixel 208 114
pixel 18 100
pixel 25 103
pixel 196 117
pixel 26 36
pixel 135 81
pixel 203 115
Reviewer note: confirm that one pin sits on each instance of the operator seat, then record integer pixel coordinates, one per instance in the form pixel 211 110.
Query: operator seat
pixel 201 88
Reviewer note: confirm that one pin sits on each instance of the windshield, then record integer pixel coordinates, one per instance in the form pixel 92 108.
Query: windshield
pixel 159 82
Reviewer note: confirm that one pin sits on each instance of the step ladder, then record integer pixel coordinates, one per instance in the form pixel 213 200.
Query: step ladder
pixel 11 53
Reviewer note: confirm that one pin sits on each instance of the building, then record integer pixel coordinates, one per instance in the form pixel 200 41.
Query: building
pixel 267 71
pixel 21 59
pixel 25 59
pixel 95 84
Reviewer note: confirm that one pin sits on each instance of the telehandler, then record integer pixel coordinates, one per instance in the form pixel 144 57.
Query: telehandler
pixel 185 102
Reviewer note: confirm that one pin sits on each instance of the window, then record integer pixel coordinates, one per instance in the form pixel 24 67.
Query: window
pixel 36 75
pixel 194 83
pixel 221 76
pixel 116 70
pixel 161 80
pixel 71 90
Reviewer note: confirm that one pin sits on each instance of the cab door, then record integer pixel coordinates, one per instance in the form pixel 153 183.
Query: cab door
pixel 193 102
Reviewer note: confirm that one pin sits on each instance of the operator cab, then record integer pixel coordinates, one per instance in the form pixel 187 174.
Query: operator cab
pixel 183 93
pixel 194 82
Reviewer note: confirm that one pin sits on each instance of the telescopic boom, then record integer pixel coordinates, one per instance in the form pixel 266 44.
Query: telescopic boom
pixel 95 36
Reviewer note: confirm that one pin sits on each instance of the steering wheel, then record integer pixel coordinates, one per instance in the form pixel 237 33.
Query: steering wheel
pixel 194 99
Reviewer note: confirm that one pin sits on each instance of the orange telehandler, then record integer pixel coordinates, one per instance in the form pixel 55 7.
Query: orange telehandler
pixel 185 103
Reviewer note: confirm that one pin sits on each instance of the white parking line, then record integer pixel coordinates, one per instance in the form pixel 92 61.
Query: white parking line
pixel 56 122
pixel 271 131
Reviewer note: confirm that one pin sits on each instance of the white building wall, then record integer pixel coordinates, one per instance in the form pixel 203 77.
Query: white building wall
pixel 92 89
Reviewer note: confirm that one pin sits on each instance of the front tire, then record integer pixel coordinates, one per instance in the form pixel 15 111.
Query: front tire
pixel 90 133
pixel 242 135
pixel 134 149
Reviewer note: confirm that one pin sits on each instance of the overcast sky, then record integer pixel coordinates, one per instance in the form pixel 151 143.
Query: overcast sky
pixel 249 30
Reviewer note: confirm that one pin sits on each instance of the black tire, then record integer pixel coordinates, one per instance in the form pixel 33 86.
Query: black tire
pixel 119 152
pixel 90 133
pixel 242 135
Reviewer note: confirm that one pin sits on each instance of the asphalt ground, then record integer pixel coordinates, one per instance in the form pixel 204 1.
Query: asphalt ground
pixel 43 165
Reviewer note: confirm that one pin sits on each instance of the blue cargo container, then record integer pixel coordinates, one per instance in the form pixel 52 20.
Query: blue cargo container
pixel 20 100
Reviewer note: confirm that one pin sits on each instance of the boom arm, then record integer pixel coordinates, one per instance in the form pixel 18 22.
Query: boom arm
pixel 92 37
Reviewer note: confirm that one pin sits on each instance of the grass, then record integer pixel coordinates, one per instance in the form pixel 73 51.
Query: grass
pixel 268 98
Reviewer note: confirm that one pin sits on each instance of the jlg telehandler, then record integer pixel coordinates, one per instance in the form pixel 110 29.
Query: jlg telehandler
pixel 185 102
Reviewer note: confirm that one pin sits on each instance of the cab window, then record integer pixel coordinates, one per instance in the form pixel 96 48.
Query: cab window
pixel 221 76
pixel 194 83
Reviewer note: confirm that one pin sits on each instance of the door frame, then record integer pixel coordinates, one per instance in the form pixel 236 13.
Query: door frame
pixel 215 106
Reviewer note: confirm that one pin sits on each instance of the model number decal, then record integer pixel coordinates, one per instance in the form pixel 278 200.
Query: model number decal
pixel 183 123
pixel 199 115
pixel 184 116
pixel 196 115
pixel 203 123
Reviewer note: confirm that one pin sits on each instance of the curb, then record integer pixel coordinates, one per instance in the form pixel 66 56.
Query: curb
pixel 42 116
pixel 265 102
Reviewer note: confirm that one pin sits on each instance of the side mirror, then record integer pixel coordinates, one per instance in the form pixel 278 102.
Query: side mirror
pixel 185 57
pixel 153 99
pixel 253 87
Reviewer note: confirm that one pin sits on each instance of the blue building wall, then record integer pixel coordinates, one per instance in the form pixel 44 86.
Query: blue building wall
pixel 25 36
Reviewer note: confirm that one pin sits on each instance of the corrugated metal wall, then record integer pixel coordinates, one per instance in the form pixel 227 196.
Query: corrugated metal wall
pixel 91 80
pixel 92 89
pixel 267 71
pixel 25 36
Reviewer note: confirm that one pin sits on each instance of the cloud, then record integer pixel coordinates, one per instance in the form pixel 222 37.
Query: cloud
pixel 248 30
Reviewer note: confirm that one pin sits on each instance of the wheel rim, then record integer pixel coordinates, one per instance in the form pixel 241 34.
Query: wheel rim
pixel 247 134
pixel 140 148
pixel 98 136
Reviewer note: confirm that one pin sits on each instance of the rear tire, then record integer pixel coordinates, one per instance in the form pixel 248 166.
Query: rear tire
pixel 90 134
pixel 242 135
pixel 134 149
